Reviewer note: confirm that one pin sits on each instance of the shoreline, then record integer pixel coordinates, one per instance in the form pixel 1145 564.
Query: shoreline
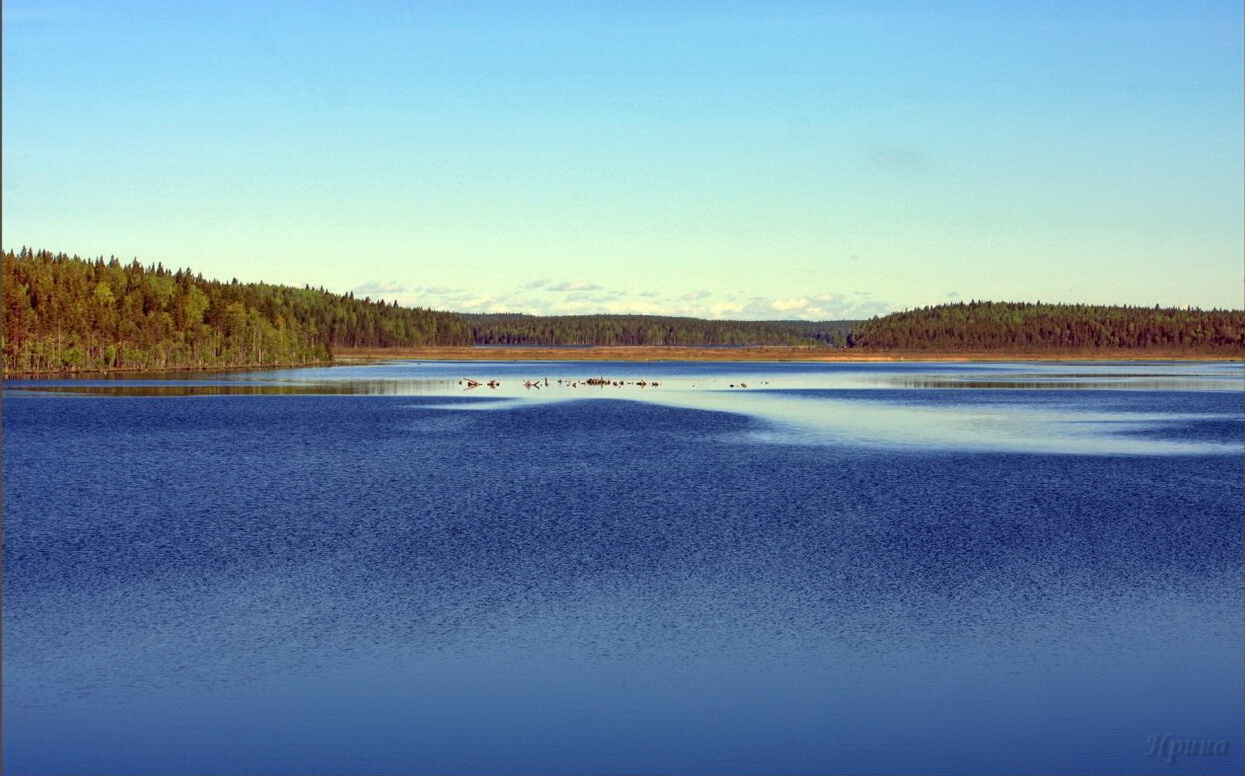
pixel 172 370
pixel 648 353
pixel 657 353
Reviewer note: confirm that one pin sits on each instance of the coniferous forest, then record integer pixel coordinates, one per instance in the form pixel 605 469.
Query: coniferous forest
pixel 1023 327
pixel 516 329
pixel 65 314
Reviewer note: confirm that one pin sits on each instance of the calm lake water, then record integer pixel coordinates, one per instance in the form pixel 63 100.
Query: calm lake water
pixel 745 568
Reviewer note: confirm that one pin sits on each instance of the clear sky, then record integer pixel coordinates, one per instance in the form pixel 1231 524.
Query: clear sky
pixel 737 159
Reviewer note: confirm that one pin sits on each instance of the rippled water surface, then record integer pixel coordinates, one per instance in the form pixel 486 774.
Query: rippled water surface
pixel 729 568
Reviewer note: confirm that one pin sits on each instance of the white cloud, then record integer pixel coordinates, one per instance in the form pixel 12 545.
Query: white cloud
pixel 819 307
pixel 789 304
pixel 546 297
pixel 376 288
pixel 724 310
pixel 579 286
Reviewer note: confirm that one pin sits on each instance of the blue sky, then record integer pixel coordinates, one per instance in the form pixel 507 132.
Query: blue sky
pixel 720 159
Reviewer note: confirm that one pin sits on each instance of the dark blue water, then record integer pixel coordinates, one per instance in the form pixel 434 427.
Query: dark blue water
pixel 806 578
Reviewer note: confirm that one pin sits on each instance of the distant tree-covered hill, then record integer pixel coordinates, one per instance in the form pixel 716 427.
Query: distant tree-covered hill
pixel 520 329
pixel 68 314
pixel 983 326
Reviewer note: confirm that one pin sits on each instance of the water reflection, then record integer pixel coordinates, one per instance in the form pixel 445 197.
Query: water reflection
pixel 572 378
pixel 235 388
pixel 931 406
pixel 972 426
pixel 1031 383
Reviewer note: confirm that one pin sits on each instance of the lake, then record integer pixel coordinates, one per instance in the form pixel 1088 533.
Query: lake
pixel 732 568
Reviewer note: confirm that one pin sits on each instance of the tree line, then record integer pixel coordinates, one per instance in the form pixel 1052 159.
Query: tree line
pixel 1021 327
pixel 65 314
pixel 583 330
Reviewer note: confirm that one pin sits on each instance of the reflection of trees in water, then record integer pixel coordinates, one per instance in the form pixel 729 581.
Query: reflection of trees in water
pixel 562 381
pixel 335 388
pixel 1093 384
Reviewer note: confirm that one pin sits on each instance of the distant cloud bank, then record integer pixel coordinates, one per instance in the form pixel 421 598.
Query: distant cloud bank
pixel 377 288
pixel 551 297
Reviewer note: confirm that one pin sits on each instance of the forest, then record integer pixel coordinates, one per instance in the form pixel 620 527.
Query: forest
pixel 1024 327
pixel 66 314
pixel 517 329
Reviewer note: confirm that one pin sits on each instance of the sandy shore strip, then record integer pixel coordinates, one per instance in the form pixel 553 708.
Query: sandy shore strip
pixel 643 353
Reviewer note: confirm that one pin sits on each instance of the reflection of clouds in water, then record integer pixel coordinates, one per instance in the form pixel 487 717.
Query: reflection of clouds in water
pixel 803 420
pixel 797 420
pixel 805 405
pixel 800 403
